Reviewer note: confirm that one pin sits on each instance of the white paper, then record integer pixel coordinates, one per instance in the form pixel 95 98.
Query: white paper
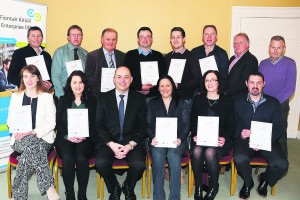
pixel 149 72
pixel 20 120
pixel 39 62
pixel 78 123
pixel 208 63
pixel 166 131
pixel 208 131
pixel 74 65
pixel 261 136
pixel 107 82
pixel 176 69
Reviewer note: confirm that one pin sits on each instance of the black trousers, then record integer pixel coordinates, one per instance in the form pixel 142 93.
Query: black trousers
pixel 277 162
pixel 136 159
pixel 285 108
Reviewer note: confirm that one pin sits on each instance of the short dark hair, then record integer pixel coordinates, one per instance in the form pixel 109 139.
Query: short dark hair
pixel 5 61
pixel 221 86
pixel 74 27
pixel 109 30
pixel 34 28
pixel 144 28
pixel 178 29
pixel 210 26
pixel 256 73
pixel 86 91
pixel 278 38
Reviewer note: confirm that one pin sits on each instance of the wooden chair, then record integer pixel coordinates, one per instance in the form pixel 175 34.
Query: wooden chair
pixel 13 162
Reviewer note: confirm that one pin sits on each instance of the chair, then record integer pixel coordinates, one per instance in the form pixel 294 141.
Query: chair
pixel 122 164
pixel 13 162
pixel 185 162
pixel 58 165
pixel 255 161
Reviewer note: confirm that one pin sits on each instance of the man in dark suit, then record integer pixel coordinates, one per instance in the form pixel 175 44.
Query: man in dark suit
pixel 105 57
pixel 121 129
pixel 4 84
pixel 240 66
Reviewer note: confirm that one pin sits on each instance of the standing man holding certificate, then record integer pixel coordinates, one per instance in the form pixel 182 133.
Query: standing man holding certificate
pixel 64 55
pixel 75 151
pixel 105 57
pixel 136 59
pixel 257 106
pixel 210 48
pixel 121 122
pixel 190 77
pixel 34 48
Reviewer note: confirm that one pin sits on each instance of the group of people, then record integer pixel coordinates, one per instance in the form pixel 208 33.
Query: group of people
pixel 121 120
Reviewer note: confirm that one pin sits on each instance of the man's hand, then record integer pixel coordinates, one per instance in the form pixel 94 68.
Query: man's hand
pixel 245 133
pixel 177 142
pixel 221 141
pixel 118 149
pixel 154 142
pixel 195 138
pixel 146 87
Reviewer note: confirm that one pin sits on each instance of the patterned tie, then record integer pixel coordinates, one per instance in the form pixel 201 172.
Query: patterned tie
pixel 121 116
pixel 75 54
pixel 111 62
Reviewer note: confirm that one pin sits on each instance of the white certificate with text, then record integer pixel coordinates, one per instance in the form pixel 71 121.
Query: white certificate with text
pixel 39 62
pixel 149 72
pixel 261 136
pixel 78 123
pixel 74 65
pixel 107 76
pixel 176 69
pixel 20 120
pixel 208 131
pixel 166 132
pixel 208 63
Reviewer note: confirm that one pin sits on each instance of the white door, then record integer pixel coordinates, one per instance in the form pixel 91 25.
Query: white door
pixel 261 24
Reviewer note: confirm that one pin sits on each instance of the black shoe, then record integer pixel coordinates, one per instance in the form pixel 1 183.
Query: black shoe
pixel 212 193
pixel 70 196
pixel 81 196
pixel 262 188
pixel 116 193
pixel 198 193
pixel 245 191
pixel 129 194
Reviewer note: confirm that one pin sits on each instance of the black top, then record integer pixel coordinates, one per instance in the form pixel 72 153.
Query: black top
pixel 33 102
pixel 191 77
pixel 132 61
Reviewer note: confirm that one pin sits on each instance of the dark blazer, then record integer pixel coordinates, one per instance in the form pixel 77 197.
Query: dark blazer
pixel 64 103
pixel 18 62
pixel 4 84
pixel 235 83
pixel 107 118
pixel 95 61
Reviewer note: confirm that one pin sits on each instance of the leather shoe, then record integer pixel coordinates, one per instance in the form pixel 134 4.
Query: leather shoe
pixel 245 191
pixel 115 195
pixel 262 188
pixel 81 196
pixel 129 194
pixel 212 193
pixel 198 193
pixel 70 195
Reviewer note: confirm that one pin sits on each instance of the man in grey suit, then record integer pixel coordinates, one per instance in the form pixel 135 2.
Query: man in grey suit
pixel 105 57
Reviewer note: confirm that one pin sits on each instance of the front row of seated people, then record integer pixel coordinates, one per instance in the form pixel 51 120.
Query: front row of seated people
pixel 118 129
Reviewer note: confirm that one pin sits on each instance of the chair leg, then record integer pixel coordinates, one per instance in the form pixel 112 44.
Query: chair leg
pixel 98 185
pixel 144 184
pixel 149 181
pixel 233 179
pixel 102 188
pixel 222 170
pixel 273 190
pixel 190 184
pixel 256 170
pixel 8 172
pixel 56 176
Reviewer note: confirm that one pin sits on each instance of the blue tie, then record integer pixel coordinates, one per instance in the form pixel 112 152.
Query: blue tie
pixel 121 116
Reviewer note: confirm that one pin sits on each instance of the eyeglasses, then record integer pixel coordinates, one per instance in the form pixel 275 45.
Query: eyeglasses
pixel 211 81
pixel 145 37
pixel 76 35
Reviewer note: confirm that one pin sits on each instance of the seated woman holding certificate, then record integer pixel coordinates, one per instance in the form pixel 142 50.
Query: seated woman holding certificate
pixel 168 127
pixel 37 135
pixel 212 103
pixel 75 148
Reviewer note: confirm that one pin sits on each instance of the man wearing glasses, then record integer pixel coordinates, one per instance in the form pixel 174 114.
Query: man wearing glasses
pixel 69 52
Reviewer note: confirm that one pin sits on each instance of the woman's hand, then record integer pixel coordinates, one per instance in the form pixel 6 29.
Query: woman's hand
pixel 19 136
pixel 154 141
pixel 195 138
pixel 221 141
pixel 76 139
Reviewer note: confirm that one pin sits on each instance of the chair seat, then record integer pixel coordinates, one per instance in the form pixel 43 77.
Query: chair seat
pixel 258 161
pixel 13 156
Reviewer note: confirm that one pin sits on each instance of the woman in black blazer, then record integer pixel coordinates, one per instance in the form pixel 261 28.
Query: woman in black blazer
pixel 75 152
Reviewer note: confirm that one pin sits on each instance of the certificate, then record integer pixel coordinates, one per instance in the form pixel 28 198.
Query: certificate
pixel 261 136
pixel 176 69
pixel 39 62
pixel 149 72
pixel 73 65
pixel 107 76
pixel 208 131
pixel 78 123
pixel 166 131
pixel 208 63
pixel 20 120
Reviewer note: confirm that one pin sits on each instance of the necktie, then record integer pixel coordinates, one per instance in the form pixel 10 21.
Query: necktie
pixel 121 116
pixel 75 54
pixel 111 62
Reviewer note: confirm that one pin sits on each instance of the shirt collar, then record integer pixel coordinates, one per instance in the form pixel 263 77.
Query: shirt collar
pixel 238 57
pixel 106 52
pixel 277 60
pixel 256 104
pixel 71 46
pixel 118 93
pixel 143 52
pixel 181 51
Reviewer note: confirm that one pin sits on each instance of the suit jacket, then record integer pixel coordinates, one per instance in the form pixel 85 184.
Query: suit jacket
pixel 95 61
pixel 4 84
pixel 235 84
pixel 45 114
pixel 107 118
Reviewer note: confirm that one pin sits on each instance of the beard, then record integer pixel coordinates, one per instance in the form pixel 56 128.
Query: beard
pixel 255 92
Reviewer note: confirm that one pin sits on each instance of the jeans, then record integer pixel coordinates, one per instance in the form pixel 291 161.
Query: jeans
pixel 159 156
